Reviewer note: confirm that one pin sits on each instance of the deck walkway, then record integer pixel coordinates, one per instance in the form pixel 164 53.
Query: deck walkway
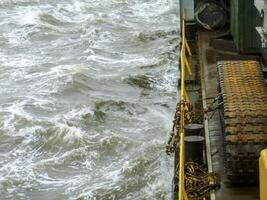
pixel 208 59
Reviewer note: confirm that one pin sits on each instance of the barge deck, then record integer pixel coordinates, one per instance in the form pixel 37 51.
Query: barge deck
pixel 208 57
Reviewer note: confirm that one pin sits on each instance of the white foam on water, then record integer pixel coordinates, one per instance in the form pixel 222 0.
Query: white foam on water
pixel 11 2
pixel 30 17
pixel 14 111
pixel 52 45
pixel 79 113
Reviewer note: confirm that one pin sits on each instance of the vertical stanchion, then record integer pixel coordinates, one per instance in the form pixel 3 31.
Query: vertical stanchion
pixel 185 69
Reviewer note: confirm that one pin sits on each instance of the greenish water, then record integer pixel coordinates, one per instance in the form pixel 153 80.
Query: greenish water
pixel 87 97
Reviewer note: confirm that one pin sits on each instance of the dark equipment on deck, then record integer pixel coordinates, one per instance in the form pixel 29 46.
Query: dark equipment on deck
pixel 194 129
pixel 194 149
pixel 210 15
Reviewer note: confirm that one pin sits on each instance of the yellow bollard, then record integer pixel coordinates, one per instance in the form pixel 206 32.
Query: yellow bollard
pixel 263 174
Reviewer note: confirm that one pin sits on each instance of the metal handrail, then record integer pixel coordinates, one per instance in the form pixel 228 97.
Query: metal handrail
pixel 263 174
pixel 185 70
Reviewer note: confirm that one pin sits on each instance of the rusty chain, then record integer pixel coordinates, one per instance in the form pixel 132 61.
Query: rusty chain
pixel 198 182
pixel 174 135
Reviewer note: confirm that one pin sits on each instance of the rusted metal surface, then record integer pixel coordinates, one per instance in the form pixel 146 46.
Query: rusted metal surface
pixel 244 99
pixel 213 125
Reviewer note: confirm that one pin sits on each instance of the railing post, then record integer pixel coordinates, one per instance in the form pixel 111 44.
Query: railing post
pixel 263 174
pixel 185 67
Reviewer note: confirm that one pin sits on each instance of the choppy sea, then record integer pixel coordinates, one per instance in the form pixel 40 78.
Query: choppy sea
pixel 88 90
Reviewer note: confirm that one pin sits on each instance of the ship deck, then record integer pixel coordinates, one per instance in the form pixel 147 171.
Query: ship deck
pixel 208 57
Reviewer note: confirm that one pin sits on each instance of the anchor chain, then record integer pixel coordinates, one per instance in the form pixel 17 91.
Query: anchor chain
pixel 174 135
pixel 198 182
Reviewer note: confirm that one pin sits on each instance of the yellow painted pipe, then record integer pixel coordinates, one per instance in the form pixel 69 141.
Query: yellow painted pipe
pixel 263 174
pixel 185 68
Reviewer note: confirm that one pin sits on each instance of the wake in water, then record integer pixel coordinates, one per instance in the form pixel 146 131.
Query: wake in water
pixel 87 94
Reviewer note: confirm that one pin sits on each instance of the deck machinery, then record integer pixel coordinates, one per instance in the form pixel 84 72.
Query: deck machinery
pixel 239 40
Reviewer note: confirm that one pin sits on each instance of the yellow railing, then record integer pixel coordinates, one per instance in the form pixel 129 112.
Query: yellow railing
pixel 184 71
pixel 263 175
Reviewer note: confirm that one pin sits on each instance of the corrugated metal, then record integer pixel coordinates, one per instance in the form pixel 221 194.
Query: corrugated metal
pixel 244 19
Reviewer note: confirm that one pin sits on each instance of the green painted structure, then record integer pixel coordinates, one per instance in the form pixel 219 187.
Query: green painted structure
pixel 243 20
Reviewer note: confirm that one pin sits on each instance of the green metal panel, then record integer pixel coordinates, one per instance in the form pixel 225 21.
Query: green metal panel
pixel 244 19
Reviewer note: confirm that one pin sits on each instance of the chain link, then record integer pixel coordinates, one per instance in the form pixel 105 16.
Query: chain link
pixel 174 135
pixel 198 182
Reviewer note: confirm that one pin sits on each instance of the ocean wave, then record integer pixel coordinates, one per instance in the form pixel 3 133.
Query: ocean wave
pixel 87 93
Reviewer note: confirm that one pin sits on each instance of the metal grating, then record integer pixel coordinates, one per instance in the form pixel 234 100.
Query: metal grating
pixel 244 99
